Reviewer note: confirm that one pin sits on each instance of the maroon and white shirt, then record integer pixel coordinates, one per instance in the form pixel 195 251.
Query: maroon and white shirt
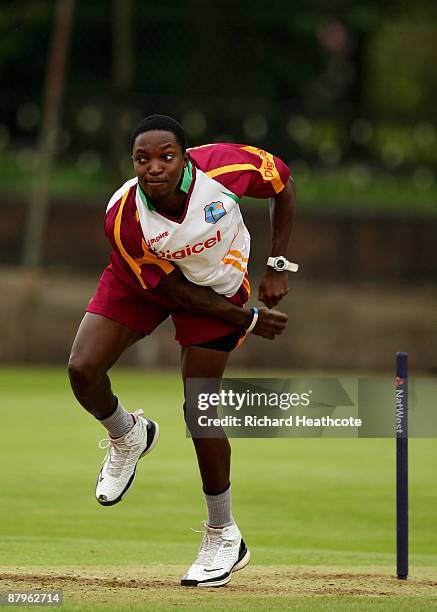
pixel 209 242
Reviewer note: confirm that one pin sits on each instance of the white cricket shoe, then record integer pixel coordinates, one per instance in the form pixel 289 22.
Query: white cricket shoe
pixel 120 463
pixel 222 552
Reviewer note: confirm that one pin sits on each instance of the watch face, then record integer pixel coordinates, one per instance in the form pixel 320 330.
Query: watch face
pixel 279 264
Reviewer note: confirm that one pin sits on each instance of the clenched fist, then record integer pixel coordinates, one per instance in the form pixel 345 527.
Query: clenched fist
pixel 270 323
pixel 273 287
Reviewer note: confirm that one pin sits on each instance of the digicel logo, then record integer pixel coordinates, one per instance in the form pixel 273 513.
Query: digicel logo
pixel 268 165
pixel 268 168
pixel 191 250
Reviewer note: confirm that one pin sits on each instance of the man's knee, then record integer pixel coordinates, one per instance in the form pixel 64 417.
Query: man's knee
pixel 83 372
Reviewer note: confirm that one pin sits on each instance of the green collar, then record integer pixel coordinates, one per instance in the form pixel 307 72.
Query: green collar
pixel 187 179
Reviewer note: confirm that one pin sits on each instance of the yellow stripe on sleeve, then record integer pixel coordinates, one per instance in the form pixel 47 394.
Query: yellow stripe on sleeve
pixel 230 168
pixel 268 168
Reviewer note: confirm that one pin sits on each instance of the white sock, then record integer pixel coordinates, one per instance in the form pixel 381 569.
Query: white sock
pixel 119 422
pixel 219 508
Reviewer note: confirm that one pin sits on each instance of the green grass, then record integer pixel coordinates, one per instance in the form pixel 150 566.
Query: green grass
pixel 334 192
pixel 67 181
pixel 299 502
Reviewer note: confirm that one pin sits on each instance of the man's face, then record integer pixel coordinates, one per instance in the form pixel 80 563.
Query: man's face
pixel 158 162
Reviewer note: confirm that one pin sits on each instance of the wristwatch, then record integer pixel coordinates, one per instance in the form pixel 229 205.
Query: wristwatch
pixel 281 264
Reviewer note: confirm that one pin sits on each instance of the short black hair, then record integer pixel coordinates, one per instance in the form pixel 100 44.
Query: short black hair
pixel 160 122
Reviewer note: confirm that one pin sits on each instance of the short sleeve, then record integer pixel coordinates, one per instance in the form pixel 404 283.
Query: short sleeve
pixel 243 169
pixel 124 233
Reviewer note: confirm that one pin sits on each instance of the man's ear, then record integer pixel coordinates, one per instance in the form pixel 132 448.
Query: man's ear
pixel 185 159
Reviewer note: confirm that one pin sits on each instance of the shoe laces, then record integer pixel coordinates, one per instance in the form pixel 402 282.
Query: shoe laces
pixel 210 544
pixel 120 451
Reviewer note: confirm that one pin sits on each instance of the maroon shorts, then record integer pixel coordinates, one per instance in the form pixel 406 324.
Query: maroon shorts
pixel 143 310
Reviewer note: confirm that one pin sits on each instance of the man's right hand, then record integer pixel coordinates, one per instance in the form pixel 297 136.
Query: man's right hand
pixel 270 323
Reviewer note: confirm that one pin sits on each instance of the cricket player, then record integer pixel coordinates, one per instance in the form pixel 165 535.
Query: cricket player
pixel 181 249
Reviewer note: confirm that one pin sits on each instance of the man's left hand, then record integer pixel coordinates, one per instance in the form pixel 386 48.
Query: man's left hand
pixel 273 287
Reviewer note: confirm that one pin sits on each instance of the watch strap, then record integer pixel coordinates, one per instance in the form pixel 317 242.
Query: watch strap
pixel 289 265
